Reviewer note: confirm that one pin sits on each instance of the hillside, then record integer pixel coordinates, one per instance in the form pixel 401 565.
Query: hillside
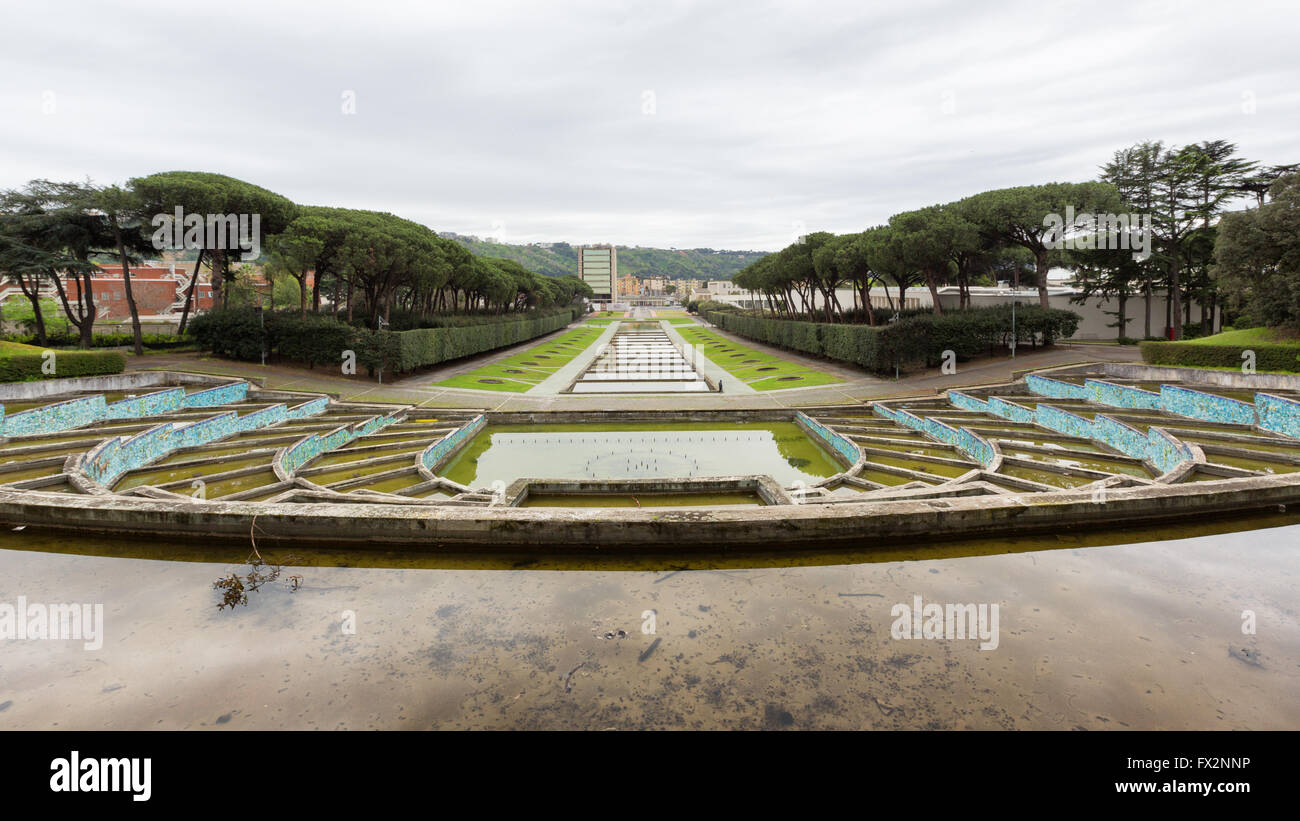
pixel 561 258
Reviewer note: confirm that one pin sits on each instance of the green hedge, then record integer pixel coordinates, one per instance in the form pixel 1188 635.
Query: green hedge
pixel 72 340
pixel 27 367
pixel 238 333
pixel 1268 357
pixel 399 351
pixel 313 339
pixel 233 333
pixel 912 339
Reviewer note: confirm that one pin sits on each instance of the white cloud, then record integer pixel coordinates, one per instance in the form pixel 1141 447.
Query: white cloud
pixel 527 114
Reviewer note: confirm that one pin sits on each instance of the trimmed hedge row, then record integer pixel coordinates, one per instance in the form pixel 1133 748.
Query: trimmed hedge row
pixel 72 340
pixel 399 351
pixel 238 333
pixel 919 338
pixel 26 367
pixel 1268 357
pixel 401 320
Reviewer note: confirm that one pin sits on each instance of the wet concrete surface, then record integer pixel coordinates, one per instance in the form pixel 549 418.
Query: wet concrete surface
pixel 1140 635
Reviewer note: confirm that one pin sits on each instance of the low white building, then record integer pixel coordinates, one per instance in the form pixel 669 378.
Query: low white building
pixel 1099 314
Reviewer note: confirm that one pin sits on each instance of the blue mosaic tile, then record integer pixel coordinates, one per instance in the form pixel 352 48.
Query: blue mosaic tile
pixel 1278 414
pixel 1208 406
pixel 1055 388
pixel 847 451
pixel 434 455
pixel 1121 396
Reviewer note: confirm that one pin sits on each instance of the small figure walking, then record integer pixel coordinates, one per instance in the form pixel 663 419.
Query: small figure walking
pixel 719 386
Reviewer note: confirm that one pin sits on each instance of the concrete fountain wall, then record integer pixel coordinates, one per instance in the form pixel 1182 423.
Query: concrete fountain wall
pixel 849 522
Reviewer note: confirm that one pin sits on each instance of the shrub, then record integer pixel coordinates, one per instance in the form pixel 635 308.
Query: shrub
pixel 238 333
pixel 915 337
pixel 25 367
pixel 234 333
pixel 114 340
pixel 313 339
pixel 1268 356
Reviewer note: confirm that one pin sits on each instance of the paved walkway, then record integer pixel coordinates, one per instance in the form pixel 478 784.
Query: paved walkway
pixel 419 390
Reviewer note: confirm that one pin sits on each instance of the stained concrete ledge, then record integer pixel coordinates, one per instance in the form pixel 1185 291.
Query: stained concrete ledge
pixel 1199 377
pixel 131 380
pixel 643 530
pixel 765 487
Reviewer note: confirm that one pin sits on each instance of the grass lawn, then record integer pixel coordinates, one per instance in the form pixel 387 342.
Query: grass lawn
pixel 18 349
pixel 760 370
pixel 1248 337
pixel 603 321
pixel 521 371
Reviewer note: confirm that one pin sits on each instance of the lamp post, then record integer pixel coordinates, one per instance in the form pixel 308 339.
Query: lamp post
pixel 379 326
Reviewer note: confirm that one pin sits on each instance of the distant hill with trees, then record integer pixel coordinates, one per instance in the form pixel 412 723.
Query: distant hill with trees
pixel 561 258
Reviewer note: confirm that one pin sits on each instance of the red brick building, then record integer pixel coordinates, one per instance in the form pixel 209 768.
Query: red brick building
pixel 157 292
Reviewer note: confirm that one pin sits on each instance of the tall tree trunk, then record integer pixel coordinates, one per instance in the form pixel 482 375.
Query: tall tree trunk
pixel 126 282
pixel 33 294
pixel 86 305
pixel 1169 314
pixel 75 318
pixel 218 279
pixel 934 293
pixel 189 293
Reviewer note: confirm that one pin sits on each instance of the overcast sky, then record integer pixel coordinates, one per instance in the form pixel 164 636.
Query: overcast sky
pixel 664 123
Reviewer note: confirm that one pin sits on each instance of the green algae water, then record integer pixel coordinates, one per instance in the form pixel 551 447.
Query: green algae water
pixel 31 473
pixel 393 483
pixel 881 477
pixel 1265 466
pixel 921 466
pixel 634 451
pixel 1104 465
pixel 238 484
pixel 928 449
pixel 1046 477
pixel 335 458
pixel 163 475
pixel 352 471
